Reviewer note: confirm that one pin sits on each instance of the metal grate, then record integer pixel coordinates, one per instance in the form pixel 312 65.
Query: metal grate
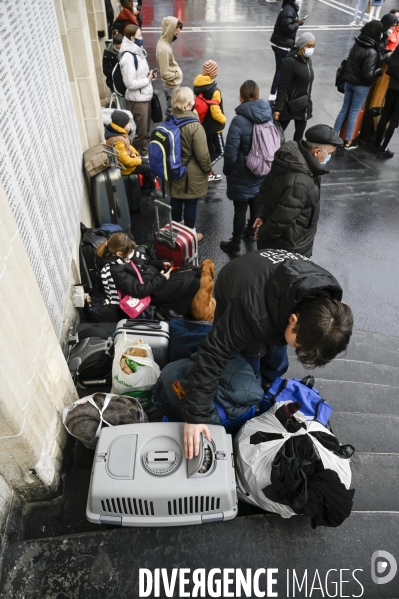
pixel 128 506
pixel 193 505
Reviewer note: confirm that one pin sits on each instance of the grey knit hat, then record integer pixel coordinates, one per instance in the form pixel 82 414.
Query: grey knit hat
pixel 120 118
pixel 304 38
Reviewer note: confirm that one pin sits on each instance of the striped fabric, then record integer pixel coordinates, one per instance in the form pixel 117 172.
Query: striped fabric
pixel 109 284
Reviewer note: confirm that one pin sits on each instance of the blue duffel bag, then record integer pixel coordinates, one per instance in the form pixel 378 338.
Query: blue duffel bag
pixel 302 391
pixel 185 336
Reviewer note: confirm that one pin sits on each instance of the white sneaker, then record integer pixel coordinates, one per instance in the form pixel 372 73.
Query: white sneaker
pixel 214 178
pixel 353 24
pixel 361 23
pixel 272 97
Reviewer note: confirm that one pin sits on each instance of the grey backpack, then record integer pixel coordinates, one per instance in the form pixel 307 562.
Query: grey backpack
pixel 265 143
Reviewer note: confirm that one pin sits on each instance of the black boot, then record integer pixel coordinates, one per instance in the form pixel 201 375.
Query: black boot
pixel 385 154
pixel 231 247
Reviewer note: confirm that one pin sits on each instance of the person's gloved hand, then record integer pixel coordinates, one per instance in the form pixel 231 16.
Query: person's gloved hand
pixel 192 434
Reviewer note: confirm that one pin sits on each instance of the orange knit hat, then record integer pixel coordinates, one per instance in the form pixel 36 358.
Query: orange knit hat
pixel 210 68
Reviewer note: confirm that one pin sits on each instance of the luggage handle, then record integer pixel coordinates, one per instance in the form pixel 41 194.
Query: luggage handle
pixel 118 207
pixel 156 326
pixel 169 208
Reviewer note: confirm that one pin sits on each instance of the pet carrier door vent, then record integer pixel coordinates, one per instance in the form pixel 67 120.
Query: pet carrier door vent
pixel 128 506
pixel 193 505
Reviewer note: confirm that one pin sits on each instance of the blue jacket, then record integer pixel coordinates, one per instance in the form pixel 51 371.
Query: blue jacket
pixel 242 184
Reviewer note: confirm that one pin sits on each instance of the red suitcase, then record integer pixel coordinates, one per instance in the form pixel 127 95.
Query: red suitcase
pixel 175 242
pixel 356 131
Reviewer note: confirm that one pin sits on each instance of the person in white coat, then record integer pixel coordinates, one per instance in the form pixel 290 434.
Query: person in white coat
pixel 137 78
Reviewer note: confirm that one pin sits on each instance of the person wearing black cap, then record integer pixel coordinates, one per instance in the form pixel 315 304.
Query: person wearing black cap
pixel 288 204
pixel 117 133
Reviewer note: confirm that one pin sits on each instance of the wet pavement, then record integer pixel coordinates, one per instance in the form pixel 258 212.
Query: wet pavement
pixel 358 234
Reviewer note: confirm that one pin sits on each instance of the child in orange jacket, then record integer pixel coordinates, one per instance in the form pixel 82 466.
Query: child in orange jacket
pixel 117 133
pixel 205 88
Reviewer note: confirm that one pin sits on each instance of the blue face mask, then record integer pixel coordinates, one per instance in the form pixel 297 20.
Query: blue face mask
pixel 326 159
pixel 139 42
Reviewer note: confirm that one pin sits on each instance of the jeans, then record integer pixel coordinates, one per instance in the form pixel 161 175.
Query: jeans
pixel 240 214
pixel 360 5
pixel 190 211
pixel 272 365
pixel 280 55
pixel 168 91
pixel 354 98
pixel 300 127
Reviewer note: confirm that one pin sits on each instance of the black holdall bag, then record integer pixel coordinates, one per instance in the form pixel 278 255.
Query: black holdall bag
pixel 156 109
pixel 90 357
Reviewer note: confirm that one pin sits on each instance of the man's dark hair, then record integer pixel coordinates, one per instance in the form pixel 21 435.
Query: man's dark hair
pixel 117 39
pixel 324 329
pixel 393 11
pixel 179 25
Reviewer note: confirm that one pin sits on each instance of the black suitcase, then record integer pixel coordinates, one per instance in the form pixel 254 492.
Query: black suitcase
pixel 133 192
pixel 109 199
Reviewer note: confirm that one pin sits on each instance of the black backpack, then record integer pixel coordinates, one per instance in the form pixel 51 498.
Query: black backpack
pixel 90 269
pixel 117 79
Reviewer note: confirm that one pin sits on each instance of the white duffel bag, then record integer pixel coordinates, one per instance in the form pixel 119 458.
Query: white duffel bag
pixel 107 115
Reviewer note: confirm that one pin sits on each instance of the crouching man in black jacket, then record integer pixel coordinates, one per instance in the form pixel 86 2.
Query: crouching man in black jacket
pixel 288 203
pixel 265 300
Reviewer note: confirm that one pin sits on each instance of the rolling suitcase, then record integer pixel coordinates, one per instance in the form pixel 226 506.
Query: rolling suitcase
pixel 175 242
pixel 133 192
pixel 356 130
pixel 109 199
pixel 153 332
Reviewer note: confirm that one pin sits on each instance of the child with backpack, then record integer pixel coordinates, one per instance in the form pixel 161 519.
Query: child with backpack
pixel 179 155
pixel 209 106
pixel 116 133
pixel 111 58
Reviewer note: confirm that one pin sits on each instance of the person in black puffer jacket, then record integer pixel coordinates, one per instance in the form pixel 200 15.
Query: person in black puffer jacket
pixel 171 290
pixel 288 204
pixel 242 185
pixel 361 70
pixel 265 300
pixel 296 81
pixel 283 37
pixel 390 110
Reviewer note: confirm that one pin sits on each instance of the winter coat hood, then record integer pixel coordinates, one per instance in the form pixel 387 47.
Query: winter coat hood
pixel 169 26
pixel 109 46
pixel 388 21
pixel 203 83
pixel 257 111
pixel 112 130
pixel 364 41
pixel 289 3
pixel 295 157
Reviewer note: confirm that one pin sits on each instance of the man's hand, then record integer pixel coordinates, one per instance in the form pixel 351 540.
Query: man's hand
pixel 301 22
pixel 276 116
pixel 150 75
pixel 192 434
pixel 167 273
pixel 258 223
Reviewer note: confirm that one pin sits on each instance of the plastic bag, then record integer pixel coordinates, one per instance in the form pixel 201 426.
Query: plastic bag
pixel 254 462
pixel 140 383
pixel 90 420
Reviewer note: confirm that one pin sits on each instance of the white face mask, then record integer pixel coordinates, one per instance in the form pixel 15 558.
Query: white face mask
pixel 130 256
pixel 389 31
pixel 308 52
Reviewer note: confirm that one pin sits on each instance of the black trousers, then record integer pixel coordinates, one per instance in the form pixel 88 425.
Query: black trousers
pixel 280 55
pixel 240 215
pixel 148 177
pixel 178 292
pixel 215 146
pixel 300 127
pixel 390 113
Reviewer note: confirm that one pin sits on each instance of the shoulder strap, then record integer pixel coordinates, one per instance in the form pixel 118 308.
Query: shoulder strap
pixel 181 122
pixel 136 62
pixel 120 138
pixel 137 272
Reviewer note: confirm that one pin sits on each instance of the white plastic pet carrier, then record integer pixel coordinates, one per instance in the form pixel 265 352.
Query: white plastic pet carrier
pixel 141 477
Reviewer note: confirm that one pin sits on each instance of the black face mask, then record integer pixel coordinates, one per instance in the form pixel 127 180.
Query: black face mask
pixel 174 38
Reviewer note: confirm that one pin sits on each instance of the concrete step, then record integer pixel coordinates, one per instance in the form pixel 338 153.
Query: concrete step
pixel 349 370
pixel 367 432
pixel 376 483
pixel 106 564
pixel 364 352
pixel 376 339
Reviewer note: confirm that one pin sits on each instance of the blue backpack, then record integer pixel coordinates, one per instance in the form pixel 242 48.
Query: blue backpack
pixel 302 391
pixel 165 149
